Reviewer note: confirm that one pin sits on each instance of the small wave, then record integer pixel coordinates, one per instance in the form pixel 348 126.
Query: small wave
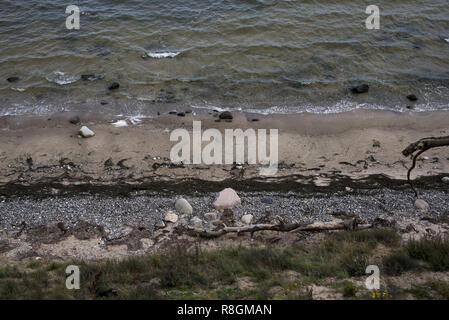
pixel 162 55
pixel 18 89
pixel 61 78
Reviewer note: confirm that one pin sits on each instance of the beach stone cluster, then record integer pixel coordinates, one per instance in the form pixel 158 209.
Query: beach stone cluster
pixel 184 214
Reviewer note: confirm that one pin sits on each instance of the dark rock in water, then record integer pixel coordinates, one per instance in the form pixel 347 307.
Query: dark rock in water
pixel 91 77
pixel 181 114
pixel 114 86
pixel 13 79
pixel 254 120
pixel 172 112
pixel 226 115
pixel 412 97
pixel 363 88
pixel 75 120
pixel 102 102
pixel 410 107
pixel 188 111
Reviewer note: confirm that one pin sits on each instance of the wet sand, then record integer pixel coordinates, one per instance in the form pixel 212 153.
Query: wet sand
pixel 313 149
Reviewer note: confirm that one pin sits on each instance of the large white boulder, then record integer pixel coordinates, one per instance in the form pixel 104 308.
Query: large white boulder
pixel 227 199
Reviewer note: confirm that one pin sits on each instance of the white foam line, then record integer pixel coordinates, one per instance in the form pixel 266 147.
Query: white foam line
pixel 162 55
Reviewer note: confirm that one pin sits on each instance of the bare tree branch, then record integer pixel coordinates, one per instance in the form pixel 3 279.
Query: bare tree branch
pixel 421 146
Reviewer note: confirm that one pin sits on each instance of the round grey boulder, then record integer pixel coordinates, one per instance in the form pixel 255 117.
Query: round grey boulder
pixel 183 206
pixel 422 205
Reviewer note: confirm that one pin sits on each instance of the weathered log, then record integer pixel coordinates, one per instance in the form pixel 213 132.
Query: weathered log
pixel 421 146
pixel 292 227
pixel 426 144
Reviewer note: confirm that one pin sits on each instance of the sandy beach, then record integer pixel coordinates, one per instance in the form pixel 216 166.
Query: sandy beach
pixel 123 178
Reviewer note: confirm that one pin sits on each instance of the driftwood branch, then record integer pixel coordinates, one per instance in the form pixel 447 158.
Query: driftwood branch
pixel 420 147
pixel 292 227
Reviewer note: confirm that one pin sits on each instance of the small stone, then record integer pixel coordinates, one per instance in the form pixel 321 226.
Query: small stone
pixel 445 179
pixel 160 225
pixel 13 79
pixel 349 189
pixel 75 120
pixel 171 217
pixel 247 219
pixel 227 199
pixel 114 86
pixel 183 206
pixel 266 200
pixel 422 205
pixel 376 144
pixel 412 97
pixel 363 88
pixel 196 222
pixel 226 115
pixel 85 132
pixel 410 107
pixel 210 216
pixel 108 163
pixel 181 114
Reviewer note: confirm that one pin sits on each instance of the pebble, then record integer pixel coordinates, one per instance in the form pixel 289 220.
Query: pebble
pixel 85 132
pixel 75 120
pixel 422 205
pixel 210 216
pixel 13 79
pixel 247 219
pixel 160 225
pixel 266 200
pixel 196 222
pixel 445 179
pixel 171 217
pixel 114 86
pixel 183 206
pixel 412 97
pixel 363 88
pixel 226 115
pixel 227 199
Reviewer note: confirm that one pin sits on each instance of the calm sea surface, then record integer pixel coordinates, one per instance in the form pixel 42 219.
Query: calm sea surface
pixel 263 56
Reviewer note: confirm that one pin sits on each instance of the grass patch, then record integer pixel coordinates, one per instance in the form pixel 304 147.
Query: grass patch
pixel 195 274
pixel 434 251
pixel 399 262
pixel 431 253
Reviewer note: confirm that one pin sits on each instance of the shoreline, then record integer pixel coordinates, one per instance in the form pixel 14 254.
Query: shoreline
pixel 317 150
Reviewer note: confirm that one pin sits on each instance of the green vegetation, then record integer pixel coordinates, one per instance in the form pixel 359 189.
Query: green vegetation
pixel 424 254
pixel 232 273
